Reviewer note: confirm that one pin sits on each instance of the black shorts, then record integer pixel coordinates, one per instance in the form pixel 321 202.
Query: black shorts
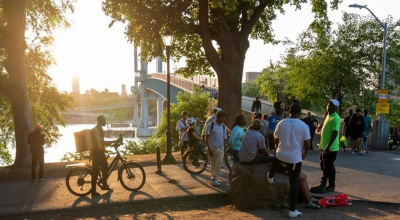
pixel 357 136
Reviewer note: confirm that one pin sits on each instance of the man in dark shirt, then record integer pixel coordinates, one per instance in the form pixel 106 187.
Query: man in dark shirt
pixel 357 127
pixel 99 159
pixel 256 107
pixel 312 125
pixel 36 142
pixel 346 127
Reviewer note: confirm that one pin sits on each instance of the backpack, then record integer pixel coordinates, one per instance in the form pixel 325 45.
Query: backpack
pixel 83 140
pixel 212 126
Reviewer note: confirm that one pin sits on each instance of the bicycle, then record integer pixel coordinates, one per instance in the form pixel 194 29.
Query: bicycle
pixel 228 157
pixel 195 160
pixel 130 174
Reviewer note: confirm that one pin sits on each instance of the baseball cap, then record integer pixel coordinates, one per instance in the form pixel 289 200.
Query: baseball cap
pixel 221 113
pixel 272 112
pixel 335 102
pixel 38 126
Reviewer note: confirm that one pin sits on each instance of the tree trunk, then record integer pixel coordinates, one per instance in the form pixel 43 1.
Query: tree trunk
pixel 230 96
pixel 15 46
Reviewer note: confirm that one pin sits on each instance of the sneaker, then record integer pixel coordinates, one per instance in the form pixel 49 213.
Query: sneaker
pixel 367 152
pixel 314 200
pixel 94 194
pixel 215 182
pixel 311 148
pixel 270 180
pixel 312 206
pixel 353 153
pixel 106 187
pixel 330 188
pixel 41 179
pixel 344 150
pixel 294 214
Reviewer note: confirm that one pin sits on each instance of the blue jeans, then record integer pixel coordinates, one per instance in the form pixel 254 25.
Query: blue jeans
pixel 235 155
pixel 365 139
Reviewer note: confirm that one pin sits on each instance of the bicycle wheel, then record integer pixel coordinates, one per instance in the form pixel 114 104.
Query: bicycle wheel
pixel 132 176
pixel 228 158
pixel 79 181
pixel 194 161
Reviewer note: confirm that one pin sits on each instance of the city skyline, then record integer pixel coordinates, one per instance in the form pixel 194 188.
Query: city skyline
pixel 103 58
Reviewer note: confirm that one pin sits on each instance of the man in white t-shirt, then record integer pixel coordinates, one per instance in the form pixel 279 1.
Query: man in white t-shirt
pixel 291 136
pixel 216 135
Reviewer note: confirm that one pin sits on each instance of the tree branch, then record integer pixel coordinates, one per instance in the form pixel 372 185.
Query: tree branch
pixel 206 36
pixel 248 25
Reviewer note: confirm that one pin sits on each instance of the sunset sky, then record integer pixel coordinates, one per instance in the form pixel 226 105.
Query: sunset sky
pixel 103 58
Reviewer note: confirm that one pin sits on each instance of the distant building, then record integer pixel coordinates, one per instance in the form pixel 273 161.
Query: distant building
pixel 123 91
pixel 75 84
pixel 251 76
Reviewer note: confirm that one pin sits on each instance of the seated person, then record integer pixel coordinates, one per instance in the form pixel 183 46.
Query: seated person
pixel 253 148
pixel 194 139
pixel 303 187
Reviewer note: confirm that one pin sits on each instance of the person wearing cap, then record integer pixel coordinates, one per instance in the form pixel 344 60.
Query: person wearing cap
pixel 36 142
pixel 357 129
pixel 97 152
pixel 272 121
pixel 346 127
pixel 253 149
pixel 181 127
pixel 329 145
pixel 198 127
pixel 210 119
pixel 291 136
pixel 216 139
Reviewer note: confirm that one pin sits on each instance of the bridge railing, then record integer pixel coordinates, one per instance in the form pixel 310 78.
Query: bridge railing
pixel 182 83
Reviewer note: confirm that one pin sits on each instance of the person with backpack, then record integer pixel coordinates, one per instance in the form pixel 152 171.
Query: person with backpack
pixel 97 152
pixel 182 127
pixel 216 138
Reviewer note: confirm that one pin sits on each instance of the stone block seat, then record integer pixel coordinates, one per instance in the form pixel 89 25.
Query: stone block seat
pixel 250 187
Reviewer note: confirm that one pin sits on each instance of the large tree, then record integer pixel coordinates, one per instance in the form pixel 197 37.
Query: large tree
pixel 346 64
pixel 22 71
pixel 207 33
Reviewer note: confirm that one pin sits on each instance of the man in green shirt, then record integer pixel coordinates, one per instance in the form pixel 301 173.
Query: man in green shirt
pixel 329 145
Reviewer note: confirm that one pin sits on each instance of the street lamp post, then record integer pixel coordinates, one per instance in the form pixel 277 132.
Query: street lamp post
pixel 381 129
pixel 168 157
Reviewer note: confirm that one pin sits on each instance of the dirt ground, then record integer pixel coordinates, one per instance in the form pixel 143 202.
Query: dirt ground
pixel 217 207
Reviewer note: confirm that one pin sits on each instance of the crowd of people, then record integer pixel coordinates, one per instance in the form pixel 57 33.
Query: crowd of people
pixel 282 142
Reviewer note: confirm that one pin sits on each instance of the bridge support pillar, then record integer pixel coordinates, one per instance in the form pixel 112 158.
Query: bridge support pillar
pixel 159 109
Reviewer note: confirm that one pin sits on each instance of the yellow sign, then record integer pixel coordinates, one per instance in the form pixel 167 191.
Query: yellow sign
pixel 382 101
pixel 383 91
pixel 382 108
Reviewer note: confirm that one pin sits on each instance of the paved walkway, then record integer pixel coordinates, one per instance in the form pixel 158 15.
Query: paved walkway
pixel 373 177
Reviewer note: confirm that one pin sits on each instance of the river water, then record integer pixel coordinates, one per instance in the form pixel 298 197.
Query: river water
pixel 66 143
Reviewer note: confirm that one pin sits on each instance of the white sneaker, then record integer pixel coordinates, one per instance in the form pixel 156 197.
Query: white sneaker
pixel 215 182
pixel 270 180
pixel 353 153
pixel 294 214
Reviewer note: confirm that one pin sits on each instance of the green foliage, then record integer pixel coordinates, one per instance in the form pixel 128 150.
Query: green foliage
pixel 197 104
pixel 250 89
pixel 394 113
pixel 42 18
pixel 346 66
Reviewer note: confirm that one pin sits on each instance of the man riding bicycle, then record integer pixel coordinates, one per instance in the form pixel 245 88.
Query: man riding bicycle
pixel 194 139
pixel 99 159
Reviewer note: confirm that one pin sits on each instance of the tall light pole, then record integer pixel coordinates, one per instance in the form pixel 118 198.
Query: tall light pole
pixel 382 127
pixel 168 37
